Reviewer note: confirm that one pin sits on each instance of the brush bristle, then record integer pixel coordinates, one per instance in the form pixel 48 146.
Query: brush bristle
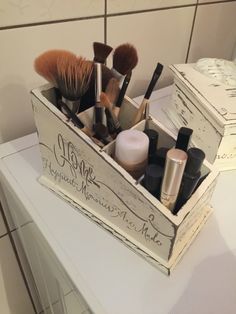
pixel 112 90
pixel 101 52
pixel 46 63
pixel 74 74
pixel 125 58
pixel 105 100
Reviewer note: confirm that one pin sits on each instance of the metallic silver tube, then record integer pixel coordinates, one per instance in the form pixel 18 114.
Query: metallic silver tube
pixel 174 168
pixel 98 81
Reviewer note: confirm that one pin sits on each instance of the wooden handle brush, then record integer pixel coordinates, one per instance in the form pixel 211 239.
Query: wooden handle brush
pixel 142 109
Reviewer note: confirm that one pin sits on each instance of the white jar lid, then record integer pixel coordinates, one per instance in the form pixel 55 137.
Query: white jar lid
pixel 131 147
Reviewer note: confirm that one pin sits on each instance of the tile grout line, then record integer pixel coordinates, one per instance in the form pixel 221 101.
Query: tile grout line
pixel 95 16
pixel 105 21
pixel 191 33
pixel 108 15
pixel 17 257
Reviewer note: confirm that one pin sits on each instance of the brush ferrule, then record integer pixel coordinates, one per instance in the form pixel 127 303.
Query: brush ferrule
pixel 117 74
pixel 98 71
pixel 73 105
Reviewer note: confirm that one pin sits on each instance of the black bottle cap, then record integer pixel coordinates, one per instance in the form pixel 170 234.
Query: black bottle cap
pixel 195 160
pixel 183 138
pixel 161 156
pixel 153 138
pixel 152 178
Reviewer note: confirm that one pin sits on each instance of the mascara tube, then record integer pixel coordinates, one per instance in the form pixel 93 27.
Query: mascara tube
pixel 174 168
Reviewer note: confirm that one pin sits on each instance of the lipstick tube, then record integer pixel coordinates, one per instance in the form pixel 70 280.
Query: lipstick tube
pixel 174 168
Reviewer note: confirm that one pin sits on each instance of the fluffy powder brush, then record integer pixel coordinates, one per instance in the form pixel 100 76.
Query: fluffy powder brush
pixel 46 64
pixel 125 59
pixel 73 78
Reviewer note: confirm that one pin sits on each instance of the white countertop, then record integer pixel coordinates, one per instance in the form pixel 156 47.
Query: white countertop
pixel 112 278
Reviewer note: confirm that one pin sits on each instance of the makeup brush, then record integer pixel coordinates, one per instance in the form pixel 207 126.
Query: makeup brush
pixel 46 64
pixel 142 108
pixel 125 59
pixel 101 52
pixel 121 95
pixel 88 99
pixel 113 123
pixel 73 77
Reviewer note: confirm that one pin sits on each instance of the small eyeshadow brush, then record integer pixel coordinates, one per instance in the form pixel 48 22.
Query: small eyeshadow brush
pixel 142 108
pixel 121 95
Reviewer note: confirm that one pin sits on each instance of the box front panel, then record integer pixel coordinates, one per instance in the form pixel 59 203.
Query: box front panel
pixel 81 172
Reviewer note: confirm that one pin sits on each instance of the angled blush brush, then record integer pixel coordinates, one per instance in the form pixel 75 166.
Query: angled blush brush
pixel 125 59
pixel 142 111
pixel 101 52
pixel 121 95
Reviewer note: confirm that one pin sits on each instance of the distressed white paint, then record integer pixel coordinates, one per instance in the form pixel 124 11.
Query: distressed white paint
pixel 209 108
pixel 75 168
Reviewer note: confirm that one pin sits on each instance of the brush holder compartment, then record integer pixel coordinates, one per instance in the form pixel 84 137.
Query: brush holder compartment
pixel 90 179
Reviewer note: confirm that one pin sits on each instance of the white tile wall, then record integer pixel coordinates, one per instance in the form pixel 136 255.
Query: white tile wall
pixel 19 48
pixel 154 44
pixel 116 6
pixel 13 295
pixel 214 32
pixel 16 12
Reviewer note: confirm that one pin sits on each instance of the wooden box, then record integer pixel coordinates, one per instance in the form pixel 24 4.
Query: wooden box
pixel 88 177
pixel 209 108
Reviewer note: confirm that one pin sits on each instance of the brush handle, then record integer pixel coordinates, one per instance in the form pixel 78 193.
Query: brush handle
pixel 113 123
pixel 155 77
pixel 75 119
pixel 121 95
pixel 123 90
pixel 140 115
pixel 98 114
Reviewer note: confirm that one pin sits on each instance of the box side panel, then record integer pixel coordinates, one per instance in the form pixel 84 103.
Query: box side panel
pixel 226 155
pixel 184 111
pixel 78 170
pixel 198 212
